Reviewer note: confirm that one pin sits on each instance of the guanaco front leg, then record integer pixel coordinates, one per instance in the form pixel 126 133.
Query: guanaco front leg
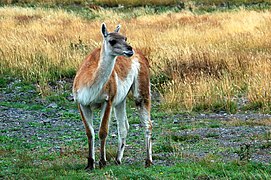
pixel 103 132
pixel 87 117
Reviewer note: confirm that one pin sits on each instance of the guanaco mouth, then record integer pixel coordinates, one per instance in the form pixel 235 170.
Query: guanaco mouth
pixel 128 53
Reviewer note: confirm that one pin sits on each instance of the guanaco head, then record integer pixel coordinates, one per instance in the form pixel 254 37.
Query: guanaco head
pixel 116 44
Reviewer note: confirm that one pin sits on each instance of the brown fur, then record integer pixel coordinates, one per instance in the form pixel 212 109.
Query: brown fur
pixel 85 74
pixel 122 67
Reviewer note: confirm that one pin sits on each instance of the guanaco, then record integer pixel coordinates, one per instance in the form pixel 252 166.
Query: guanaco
pixel 103 81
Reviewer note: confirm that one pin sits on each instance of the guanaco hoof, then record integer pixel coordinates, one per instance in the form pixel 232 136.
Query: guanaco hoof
pixel 102 163
pixel 90 165
pixel 148 163
pixel 117 162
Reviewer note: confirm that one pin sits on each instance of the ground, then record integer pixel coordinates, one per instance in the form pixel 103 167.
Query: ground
pixel 47 132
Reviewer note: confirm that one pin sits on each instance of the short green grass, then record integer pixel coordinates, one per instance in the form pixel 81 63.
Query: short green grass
pixel 59 151
pixel 28 165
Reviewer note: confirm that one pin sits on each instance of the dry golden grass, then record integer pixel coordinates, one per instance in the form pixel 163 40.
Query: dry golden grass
pixel 136 2
pixel 52 2
pixel 102 2
pixel 197 60
pixel 251 122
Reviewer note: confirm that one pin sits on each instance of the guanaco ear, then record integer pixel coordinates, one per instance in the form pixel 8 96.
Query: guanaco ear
pixel 118 28
pixel 104 30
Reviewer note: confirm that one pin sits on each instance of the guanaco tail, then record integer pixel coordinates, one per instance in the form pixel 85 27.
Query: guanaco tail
pixel 103 81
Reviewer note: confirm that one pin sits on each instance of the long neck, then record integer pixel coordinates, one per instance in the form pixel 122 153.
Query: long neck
pixel 105 67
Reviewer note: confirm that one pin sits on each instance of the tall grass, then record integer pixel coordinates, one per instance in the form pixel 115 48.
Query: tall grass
pixel 208 61
pixel 112 3
pixel 232 2
pixel 43 2
pixel 136 2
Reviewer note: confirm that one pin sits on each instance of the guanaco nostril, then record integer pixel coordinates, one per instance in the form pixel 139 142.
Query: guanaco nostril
pixel 129 48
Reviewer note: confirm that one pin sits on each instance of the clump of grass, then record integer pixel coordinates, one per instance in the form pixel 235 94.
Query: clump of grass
pixel 233 2
pixel 251 122
pixel 185 137
pixel 201 95
pixel 111 153
pixel 258 87
pixel 166 145
pixel 212 135
pixel 245 152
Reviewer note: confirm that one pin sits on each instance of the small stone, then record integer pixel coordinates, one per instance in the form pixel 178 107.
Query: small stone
pixel 202 115
pixel 43 115
pixel 45 122
pixel 52 105
pixel 70 97
pixel 175 121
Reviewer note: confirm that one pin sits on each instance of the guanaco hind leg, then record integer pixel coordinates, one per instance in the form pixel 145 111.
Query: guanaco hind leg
pixel 123 127
pixel 144 113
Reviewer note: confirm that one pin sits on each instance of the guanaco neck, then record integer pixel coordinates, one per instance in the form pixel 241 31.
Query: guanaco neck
pixel 105 67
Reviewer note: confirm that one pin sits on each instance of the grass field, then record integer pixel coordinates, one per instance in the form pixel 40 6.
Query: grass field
pixel 210 64
pixel 198 62
pixel 45 139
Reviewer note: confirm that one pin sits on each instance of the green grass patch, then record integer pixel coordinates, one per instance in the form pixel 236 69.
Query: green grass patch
pixel 227 106
pixel 186 137
pixel 71 167
pixel 3 82
pixel 212 135
pixel 253 106
pixel 215 125
pixel 22 105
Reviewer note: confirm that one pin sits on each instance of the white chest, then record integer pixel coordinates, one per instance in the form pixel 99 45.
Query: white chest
pixel 124 85
pixel 90 95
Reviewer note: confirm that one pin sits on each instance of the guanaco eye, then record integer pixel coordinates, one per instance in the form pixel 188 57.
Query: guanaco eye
pixel 112 42
pixel 125 39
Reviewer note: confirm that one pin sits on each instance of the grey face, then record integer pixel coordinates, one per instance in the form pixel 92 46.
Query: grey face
pixel 116 44
pixel 119 45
